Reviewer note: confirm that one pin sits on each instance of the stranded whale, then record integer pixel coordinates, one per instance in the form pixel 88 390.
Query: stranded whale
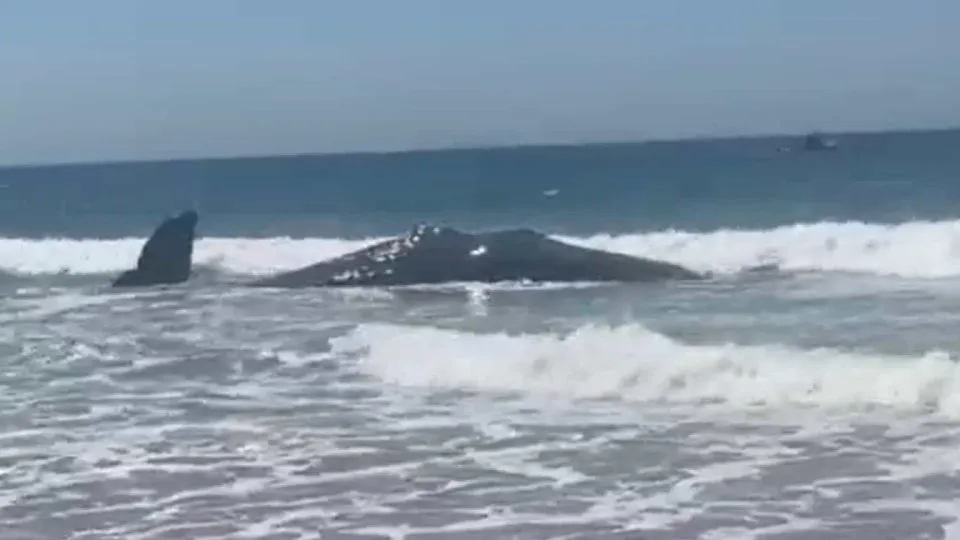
pixel 167 256
pixel 427 254
pixel 431 254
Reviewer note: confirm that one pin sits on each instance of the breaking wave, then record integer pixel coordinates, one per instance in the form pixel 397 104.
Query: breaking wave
pixel 923 249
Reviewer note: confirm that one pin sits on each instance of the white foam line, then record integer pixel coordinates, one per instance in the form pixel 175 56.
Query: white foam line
pixel 631 362
pixel 925 249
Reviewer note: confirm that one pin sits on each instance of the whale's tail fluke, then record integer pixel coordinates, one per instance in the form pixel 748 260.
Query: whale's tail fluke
pixel 167 256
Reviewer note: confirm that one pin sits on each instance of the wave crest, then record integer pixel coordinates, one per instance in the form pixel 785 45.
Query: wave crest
pixel 631 362
pixel 924 249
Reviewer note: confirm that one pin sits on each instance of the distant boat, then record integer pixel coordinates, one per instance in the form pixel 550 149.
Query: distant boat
pixel 816 142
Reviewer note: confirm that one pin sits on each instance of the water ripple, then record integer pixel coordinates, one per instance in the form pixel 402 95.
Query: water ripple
pixel 204 415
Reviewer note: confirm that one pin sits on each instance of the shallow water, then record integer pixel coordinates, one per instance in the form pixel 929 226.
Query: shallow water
pixel 483 412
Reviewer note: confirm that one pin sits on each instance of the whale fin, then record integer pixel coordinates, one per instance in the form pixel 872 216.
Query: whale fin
pixel 167 256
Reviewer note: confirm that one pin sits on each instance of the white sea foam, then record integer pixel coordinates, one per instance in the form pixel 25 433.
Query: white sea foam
pixel 632 362
pixel 913 249
pixel 221 419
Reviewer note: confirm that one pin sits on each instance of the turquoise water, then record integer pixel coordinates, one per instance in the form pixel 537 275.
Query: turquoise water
pixel 822 402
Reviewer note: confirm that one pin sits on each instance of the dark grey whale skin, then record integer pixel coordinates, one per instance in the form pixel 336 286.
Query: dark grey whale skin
pixel 432 255
pixel 167 256
pixel 427 254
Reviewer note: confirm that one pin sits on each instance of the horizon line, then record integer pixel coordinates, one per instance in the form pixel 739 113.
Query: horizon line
pixel 467 148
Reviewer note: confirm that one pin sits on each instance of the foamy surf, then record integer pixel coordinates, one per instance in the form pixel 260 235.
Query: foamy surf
pixel 919 249
pixel 631 362
pixel 283 416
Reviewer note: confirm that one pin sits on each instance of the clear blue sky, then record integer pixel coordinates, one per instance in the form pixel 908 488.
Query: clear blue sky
pixel 129 79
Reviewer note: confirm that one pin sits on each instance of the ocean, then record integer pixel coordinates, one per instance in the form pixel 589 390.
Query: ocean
pixel 819 402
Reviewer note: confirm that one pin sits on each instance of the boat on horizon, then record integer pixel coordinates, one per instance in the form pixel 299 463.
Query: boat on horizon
pixel 816 142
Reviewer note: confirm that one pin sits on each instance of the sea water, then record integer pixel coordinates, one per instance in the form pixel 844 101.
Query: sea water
pixel 818 402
